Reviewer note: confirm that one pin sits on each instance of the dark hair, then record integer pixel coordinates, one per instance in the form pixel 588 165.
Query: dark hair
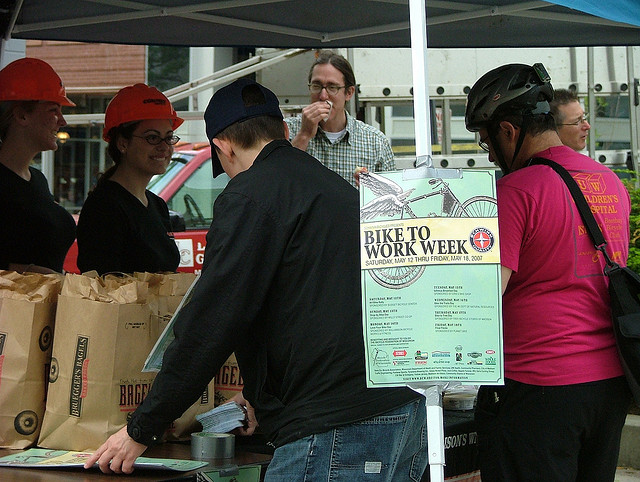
pixel 123 130
pixel 248 132
pixel 6 113
pixel 339 62
pixel 562 97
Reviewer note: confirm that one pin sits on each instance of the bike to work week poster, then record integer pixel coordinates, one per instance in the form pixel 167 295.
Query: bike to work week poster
pixel 431 296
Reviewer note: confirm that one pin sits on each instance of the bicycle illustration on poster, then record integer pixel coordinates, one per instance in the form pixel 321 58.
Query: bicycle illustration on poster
pixel 392 202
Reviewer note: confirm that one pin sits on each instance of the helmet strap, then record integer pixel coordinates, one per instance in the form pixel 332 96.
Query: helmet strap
pixel 497 148
pixel 523 131
pixel 502 162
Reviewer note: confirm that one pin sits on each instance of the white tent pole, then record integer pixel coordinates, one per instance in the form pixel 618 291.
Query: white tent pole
pixel 418 20
pixel 435 433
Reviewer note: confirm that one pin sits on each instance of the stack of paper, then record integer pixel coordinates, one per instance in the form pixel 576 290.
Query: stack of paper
pixel 36 458
pixel 222 419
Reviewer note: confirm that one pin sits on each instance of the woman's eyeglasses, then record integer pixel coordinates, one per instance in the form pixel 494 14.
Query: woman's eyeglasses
pixel 155 139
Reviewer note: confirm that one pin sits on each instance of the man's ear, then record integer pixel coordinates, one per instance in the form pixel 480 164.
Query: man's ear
pixel 509 129
pixel 224 145
pixel 349 91
pixel 286 130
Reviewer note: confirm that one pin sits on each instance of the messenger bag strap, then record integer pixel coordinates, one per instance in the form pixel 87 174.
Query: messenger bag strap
pixel 581 203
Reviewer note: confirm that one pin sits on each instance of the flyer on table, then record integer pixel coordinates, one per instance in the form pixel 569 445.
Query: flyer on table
pixel 430 258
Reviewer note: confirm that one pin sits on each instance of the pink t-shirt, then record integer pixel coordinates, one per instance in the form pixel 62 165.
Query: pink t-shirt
pixel 556 316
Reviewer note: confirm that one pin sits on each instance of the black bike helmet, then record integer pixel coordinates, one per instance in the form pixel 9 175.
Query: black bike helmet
pixel 510 89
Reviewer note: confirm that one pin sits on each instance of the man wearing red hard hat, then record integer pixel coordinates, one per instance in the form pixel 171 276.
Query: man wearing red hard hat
pixel 36 231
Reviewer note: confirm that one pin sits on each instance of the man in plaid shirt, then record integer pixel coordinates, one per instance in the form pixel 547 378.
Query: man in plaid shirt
pixel 327 132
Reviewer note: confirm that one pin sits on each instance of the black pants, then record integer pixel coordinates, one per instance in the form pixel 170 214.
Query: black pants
pixel 560 433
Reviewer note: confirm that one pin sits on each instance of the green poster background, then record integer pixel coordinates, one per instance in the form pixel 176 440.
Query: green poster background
pixel 431 279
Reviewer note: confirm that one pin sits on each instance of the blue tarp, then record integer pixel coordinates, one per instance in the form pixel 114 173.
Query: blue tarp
pixel 626 11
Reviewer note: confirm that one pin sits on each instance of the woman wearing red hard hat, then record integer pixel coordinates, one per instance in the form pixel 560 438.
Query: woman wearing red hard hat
pixel 123 227
pixel 35 231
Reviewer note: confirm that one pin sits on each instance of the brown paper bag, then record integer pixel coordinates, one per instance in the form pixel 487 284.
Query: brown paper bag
pixel 27 310
pixel 183 427
pixel 104 332
pixel 229 381
pixel 165 294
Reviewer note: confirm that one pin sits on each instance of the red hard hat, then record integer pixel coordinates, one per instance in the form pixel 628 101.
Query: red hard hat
pixel 138 102
pixel 32 79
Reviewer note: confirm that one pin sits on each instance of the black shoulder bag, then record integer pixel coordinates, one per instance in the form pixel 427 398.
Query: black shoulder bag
pixel 624 287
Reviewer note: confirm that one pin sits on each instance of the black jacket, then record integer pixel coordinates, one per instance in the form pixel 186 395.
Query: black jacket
pixel 280 287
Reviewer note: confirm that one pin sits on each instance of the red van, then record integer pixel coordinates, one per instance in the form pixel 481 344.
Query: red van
pixel 189 189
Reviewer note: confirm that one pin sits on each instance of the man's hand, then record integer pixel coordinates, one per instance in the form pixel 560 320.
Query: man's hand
pixel 250 421
pixel 312 115
pixel 117 454
pixel 356 174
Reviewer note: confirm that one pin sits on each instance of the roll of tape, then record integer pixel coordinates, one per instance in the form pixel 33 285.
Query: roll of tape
pixel 209 445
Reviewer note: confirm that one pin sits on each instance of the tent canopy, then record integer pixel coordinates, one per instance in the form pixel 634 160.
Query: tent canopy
pixel 316 24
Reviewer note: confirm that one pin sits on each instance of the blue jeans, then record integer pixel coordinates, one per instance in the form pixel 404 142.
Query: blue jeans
pixel 389 447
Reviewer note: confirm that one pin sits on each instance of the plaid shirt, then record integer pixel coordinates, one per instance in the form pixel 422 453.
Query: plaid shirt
pixel 361 145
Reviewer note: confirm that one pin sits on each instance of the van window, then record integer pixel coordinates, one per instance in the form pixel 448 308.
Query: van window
pixel 195 197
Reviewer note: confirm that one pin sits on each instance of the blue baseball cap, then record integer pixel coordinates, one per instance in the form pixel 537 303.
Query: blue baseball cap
pixel 227 107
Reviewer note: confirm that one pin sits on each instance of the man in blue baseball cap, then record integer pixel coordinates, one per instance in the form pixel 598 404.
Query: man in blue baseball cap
pixel 280 287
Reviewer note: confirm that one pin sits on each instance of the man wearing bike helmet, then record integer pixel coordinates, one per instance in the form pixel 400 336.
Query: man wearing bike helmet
pixel 561 411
